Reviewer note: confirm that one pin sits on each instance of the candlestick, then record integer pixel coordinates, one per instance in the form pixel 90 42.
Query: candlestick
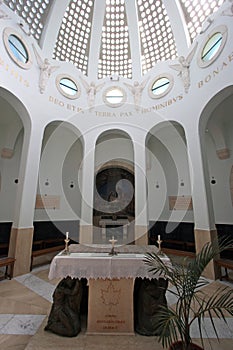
pixel 159 245
pixel 113 241
pixel 66 250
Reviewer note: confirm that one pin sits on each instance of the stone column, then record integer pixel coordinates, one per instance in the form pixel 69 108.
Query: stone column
pixel 87 190
pixel 205 230
pixel 141 218
pixel 22 228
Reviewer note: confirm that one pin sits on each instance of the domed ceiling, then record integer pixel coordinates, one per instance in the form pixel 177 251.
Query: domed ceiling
pixel 114 37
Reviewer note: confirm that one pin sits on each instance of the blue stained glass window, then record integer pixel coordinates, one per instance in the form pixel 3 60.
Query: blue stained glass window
pixel 18 49
pixel 212 46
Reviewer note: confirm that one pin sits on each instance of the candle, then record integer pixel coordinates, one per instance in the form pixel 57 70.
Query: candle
pixel 158 237
pixel 67 235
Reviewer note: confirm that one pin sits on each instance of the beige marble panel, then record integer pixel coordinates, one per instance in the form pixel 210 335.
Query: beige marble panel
pixel 15 294
pixel 110 306
pixel 86 234
pixel 201 238
pixel 141 235
pixel 223 153
pixel 9 306
pixel 7 153
pixel 47 341
pixel 43 274
pixel 48 202
pixel 14 342
pixel 20 248
pixel 180 203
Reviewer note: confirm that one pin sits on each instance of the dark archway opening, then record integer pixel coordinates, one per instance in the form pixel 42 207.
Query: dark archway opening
pixel 114 205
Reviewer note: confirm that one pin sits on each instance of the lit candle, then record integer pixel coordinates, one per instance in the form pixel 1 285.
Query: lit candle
pixel 159 238
pixel 67 235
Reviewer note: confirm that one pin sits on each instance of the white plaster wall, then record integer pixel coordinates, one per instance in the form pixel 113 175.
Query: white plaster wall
pixel 116 148
pixel 183 108
pixel 60 164
pixel 9 173
pixel 168 167
pixel 220 170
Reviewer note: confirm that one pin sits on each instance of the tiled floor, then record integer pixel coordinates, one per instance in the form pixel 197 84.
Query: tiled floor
pixel 25 302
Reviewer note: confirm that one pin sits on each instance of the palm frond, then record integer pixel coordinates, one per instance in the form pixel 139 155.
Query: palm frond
pixel 192 302
pixel 169 326
pixel 172 272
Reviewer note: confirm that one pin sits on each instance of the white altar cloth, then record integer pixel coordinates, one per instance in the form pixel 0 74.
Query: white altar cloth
pixel 111 282
pixel 99 264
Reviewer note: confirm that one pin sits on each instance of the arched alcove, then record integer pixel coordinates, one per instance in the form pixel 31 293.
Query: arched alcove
pixel 169 190
pixel 216 126
pixel 114 202
pixel 59 194
pixel 14 124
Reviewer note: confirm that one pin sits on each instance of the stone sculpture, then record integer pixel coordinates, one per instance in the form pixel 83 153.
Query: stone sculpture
pixel 183 68
pixel 45 70
pixel 91 90
pixel 64 318
pixel 229 10
pixel 3 15
pixel 137 89
pixel 149 296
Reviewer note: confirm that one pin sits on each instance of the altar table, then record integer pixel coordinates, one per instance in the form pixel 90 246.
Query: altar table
pixel 111 282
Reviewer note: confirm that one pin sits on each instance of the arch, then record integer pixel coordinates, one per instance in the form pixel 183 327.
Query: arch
pixel 168 174
pixel 114 146
pixel 18 106
pixel 114 204
pixel 114 186
pixel 211 106
pixel 215 130
pixel 119 163
pixel 112 133
pixel 14 126
pixel 58 181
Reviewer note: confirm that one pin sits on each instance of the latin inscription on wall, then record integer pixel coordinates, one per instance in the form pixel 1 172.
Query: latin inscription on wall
pixel 180 203
pixel 47 202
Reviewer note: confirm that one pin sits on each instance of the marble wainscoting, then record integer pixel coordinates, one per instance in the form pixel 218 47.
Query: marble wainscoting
pixel 25 303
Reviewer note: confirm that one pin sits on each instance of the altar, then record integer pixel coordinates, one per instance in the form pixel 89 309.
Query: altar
pixel 111 282
pixel 124 223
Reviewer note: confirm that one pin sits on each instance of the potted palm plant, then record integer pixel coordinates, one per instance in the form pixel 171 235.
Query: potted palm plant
pixel 174 324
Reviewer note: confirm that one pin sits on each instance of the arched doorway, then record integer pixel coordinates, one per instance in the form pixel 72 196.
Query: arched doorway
pixel 114 204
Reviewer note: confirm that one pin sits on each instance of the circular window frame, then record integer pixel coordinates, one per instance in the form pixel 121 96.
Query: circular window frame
pixel 114 88
pixel 69 77
pixel 164 93
pixel 220 29
pixel 6 34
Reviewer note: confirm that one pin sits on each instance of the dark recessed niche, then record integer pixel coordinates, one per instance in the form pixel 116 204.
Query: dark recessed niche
pixel 71 185
pixel 16 181
pixel 213 181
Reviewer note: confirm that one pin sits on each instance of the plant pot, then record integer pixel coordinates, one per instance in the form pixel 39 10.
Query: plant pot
pixel 179 346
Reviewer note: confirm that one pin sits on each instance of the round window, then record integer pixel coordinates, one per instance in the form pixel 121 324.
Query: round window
pixel 67 86
pixel 160 86
pixel 114 96
pixel 17 48
pixel 212 46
